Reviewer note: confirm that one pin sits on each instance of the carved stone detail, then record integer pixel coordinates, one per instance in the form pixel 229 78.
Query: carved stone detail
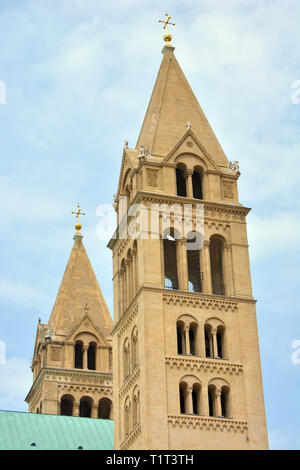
pixel 203 364
pixel 208 423
pixel 200 302
pixel 152 177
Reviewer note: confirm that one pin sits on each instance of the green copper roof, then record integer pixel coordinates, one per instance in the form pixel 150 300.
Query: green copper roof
pixel 20 431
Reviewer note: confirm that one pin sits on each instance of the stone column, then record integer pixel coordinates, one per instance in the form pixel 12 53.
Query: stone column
pixel 127 283
pixel 85 358
pixel 218 403
pixel 204 409
pixel 134 276
pixel 182 265
pixel 207 284
pixel 214 341
pixel 76 408
pixel 187 340
pixel 189 400
pixel 229 289
pixel 94 411
pixel 189 184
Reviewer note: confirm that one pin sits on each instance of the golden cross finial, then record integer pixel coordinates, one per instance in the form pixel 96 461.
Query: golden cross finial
pixel 78 226
pixel 167 36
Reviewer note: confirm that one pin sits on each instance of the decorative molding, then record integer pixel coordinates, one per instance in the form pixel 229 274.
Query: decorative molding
pixel 132 436
pixel 208 423
pixel 130 381
pixel 126 319
pixel 197 301
pixel 194 363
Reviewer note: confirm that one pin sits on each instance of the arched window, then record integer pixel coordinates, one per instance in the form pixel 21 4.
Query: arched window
pixel 211 400
pixel 208 341
pixel 197 183
pixel 105 408
pixel 66 405
pixel 91 356
pixel 225 402
pixel 182 397
pixel 79 355
pixel 193 337
pixel 85 407
pixel 216 248
pixel 181 180
pixel 220 340
pixel 135 406
pixel 126 359
pixel 180 337
pixel 194 243
pixel 127 410
pixel 170 262
pixel 134 348
pixel 196 398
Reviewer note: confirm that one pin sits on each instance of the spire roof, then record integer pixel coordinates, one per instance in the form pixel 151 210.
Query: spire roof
pixel 171 106
pixel 79 294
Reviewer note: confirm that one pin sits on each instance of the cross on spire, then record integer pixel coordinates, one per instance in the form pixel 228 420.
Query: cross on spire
pixel 166 22
pixel 78 226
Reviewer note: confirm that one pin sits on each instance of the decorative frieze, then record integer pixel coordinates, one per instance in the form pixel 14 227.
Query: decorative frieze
pixel 204 365
pixel 197 301
pixel 131 438
pixel 207 423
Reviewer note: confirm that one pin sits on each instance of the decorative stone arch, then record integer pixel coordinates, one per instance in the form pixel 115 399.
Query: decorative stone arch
pixel 215 338
pixel 187 328
pixel 219 398
pixel 66 405
pixel 181 179
pixel 190 396
pixel 134 347
pixel 105 408
pixel 86 406
pixel 135 406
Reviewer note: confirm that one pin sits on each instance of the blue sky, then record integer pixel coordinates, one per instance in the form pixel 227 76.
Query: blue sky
pixel 78 76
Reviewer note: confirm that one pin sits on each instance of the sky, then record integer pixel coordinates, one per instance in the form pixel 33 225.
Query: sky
pixel 76 77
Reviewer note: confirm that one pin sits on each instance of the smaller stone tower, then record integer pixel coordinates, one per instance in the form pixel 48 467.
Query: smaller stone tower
pixel 72 360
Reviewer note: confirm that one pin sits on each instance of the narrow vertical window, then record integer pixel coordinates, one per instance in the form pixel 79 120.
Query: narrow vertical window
pixel 181 181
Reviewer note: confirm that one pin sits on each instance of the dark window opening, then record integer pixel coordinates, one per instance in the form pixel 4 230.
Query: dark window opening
pixel 180 182
pixel 91 356
pixel 216 251
pixel 79 355
pixel 170 263
pixel 197 185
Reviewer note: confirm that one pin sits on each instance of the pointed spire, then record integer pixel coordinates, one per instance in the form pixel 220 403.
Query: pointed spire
pixel 171 106
pixel 79 294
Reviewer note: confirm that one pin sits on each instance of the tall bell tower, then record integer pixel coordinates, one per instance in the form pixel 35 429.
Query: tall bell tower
pixel 186 369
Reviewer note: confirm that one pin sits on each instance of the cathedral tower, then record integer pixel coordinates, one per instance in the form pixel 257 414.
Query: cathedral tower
pixel 186 369
pixel 72 358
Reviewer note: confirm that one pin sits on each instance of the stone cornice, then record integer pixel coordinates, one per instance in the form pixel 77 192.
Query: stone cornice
pixel 223 210
pixel 208 423
pixel 132 436
pixel 194 363
pixel 60 374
